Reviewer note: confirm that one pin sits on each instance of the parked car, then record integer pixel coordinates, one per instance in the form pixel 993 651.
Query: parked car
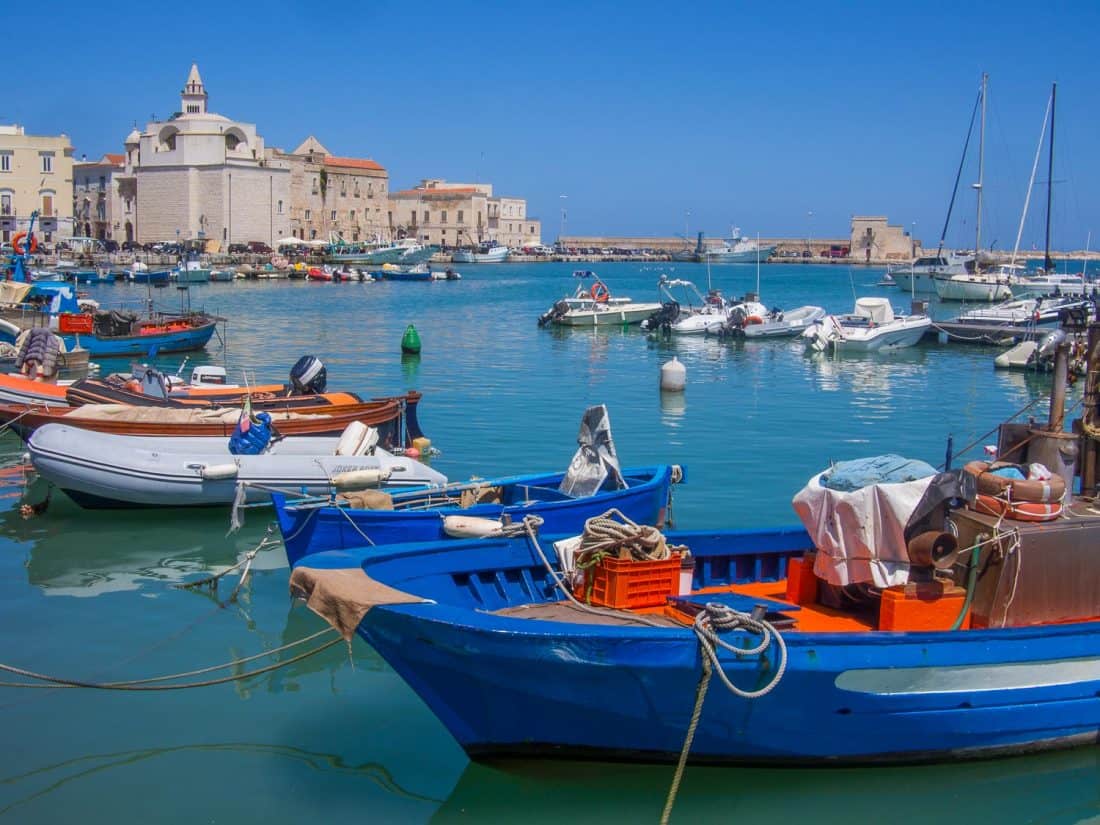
pixel 109 245
pixel 238 248
pixel 259 248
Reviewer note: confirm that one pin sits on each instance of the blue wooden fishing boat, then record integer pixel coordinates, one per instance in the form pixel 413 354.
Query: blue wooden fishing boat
pixel 439 513
pixel 512 668
pixel 159 276
pixel 93 276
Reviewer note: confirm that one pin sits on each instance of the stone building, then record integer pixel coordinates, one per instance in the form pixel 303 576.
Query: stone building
pixel 201 175
pixel 461 214
pixel 332 196
pixel 874 240
pixel 100 209
pixel 36 172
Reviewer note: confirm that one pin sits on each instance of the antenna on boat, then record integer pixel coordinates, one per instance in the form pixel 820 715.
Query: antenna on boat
pixel 758 266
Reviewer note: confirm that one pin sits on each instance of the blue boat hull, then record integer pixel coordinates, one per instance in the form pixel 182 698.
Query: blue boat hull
pixel 150 277
pixel 508 686
pixel 180 341
pixel 308 530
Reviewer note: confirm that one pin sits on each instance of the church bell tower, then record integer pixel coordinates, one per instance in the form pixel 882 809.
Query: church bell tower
pixel 193 96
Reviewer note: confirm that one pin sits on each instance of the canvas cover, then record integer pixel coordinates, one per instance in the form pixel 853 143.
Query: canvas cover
pixel 860 534
pixel 170 415
pixel 595 462
pixel 876 310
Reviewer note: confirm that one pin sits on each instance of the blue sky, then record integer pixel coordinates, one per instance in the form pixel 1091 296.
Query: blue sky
pixel 753 115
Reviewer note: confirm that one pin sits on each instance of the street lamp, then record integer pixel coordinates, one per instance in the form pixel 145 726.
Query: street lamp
pixel 561 229
pixel 913 239
pixel 810 232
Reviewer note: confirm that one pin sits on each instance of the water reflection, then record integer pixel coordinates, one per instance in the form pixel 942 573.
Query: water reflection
pixel 1052 787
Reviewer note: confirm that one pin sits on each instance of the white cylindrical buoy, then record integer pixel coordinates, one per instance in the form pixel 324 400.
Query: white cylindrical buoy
pixel 673 376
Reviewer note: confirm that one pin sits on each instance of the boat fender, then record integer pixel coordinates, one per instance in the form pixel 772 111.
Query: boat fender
pixel 753 319
pixel 358 479
pixel 218 472
pixel 470 527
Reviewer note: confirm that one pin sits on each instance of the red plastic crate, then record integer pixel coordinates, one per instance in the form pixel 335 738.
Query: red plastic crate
pixel 626 584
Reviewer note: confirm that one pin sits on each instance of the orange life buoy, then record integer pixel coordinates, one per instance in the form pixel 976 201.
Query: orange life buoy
pixel 1016 489
pixel 17 245
pixel 753 319
pixel 1017 510
pixel 1036 316
pixel 599 292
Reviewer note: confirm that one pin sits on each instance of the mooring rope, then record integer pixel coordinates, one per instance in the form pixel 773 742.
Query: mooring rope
pixel 712 619
pixel 147 683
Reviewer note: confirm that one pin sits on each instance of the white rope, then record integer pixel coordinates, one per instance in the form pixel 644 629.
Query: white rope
pixel 715 618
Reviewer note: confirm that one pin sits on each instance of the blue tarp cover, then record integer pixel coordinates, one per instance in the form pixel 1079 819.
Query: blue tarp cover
pixel 847 476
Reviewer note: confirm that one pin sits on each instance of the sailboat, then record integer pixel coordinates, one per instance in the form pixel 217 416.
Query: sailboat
pixel 973 284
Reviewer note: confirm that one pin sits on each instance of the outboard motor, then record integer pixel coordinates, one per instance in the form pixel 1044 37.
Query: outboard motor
pixel 555 312
pixel 663 319
pixel 308 376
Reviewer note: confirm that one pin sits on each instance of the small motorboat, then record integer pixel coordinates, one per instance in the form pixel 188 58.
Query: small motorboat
pixel 106 470
pixel 1026 313
pixel 686 311
pixel 777 323
pixel 872 327
pixel 592 485
pixel 595 306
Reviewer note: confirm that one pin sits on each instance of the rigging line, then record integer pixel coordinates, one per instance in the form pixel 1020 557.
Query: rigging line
pixel 958 175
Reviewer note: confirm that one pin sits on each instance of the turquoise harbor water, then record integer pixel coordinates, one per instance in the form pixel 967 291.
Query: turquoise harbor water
pixel 90 595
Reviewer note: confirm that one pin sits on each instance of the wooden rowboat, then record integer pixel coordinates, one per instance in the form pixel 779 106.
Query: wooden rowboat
pixel 390 416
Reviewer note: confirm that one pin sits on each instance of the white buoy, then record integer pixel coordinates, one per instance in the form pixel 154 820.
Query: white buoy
pixel 673 376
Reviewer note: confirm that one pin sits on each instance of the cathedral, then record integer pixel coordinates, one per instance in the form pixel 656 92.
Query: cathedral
pixel 200 175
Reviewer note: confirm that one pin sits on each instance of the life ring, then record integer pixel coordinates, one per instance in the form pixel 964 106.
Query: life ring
pixel 752 319
pixel 599 292
pixel 1018 490
pixel 17 245
pixel 1017 510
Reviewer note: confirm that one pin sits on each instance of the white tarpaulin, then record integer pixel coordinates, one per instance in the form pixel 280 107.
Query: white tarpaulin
pixel 860 535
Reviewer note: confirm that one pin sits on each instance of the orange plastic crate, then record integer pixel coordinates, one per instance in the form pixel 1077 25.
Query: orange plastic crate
pixel 626 584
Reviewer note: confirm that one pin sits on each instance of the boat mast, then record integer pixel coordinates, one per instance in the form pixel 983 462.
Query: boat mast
pixel 981 174
pixel 1030 184
pixel 958 175
pixel 1047 263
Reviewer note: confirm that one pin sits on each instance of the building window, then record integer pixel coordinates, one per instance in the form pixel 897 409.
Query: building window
pixel 5 161
pixel 102 183
pixel 460 219
pixel 5 204
pixel 313 234
pixel 343 187
pixel 309 214
pixel 443 216
pixel 280 209
pixel 333 215
pixel 370 189
pixel 315 186
pixel 351 216
pixel 357 189
pixel 427 218
pixel 47 162
pixel 47 206
pixel 413 215
pixel 128 205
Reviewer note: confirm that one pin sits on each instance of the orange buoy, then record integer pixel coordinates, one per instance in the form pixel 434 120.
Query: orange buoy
pixel 599 292
pixel 1017 510
pixel 17 243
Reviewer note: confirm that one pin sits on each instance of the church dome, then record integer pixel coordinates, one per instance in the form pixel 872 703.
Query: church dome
pixel 134 138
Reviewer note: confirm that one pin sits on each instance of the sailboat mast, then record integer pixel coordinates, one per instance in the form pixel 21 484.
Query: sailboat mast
pixel 1047 263
pixel 981 173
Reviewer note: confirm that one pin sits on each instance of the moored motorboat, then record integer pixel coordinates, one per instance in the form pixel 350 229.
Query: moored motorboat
pixel 871 327
pixel 595 306
pixel 686 311
pixel 778 323
pixel 489 252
